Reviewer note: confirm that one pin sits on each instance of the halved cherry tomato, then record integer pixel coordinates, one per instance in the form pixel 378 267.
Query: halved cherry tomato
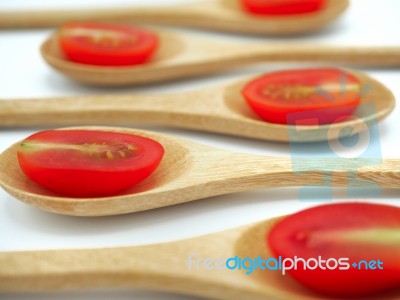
pixel 356 231
pixel 282 7
pixel 86 163
pixel 306 97
pixel 107 44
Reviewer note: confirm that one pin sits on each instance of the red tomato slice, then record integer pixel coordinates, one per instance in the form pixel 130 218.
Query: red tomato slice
pixel 83 163
pixel 306 97
pixel 282 7
pixel 354 230
pixel 107 44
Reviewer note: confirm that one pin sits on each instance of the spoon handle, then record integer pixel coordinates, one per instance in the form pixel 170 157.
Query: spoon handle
pixel 189 110
pixel 155 267
pixel 150 267
pixel 174 14
pixel 246 172
pixel 355 56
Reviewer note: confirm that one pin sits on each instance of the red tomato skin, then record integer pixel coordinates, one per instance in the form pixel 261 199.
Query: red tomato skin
pixel 84 184
pixel 312 117
pixel 308 111
pixel 340 283
pixel 86 53
pixel 81 182
pixel 282 7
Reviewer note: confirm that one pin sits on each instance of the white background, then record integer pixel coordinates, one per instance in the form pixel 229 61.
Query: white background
pixel 24 74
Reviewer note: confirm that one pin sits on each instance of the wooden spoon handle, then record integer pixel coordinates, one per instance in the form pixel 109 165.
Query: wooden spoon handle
pixel 146 266
pixel 48 270
pixel 181 110
pixel 368 173
pixel 266 172
pixel 356 56
pixel 173 14
pixel 160 267
pixel 81 110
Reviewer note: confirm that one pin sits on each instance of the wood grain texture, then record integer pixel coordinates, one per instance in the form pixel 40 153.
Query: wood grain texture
pixel 221 15
pixel 184 56
pixel 191 171
pixel 219 109
pixel 161 267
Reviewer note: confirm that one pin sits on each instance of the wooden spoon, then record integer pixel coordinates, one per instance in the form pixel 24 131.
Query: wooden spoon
pixel 221 15
pixel 183 56
pixel 163 267
pixel 191 171
pixel 219 109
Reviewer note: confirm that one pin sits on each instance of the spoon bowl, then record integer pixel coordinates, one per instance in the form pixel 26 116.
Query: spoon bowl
pixel 220 15
pixel 191 171
pixel 162 267
pixel 377 103
pixel 177 159
pixel 218 109
pixel 182 56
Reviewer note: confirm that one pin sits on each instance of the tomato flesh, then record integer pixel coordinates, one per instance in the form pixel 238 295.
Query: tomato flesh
pixel 353 230
pixel 86 163
pixel 107 44
pixel 282 7
pixel 304 97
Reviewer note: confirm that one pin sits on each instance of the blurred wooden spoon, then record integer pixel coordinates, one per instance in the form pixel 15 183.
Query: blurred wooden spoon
pixel 161 267
pixel 221 15
pixel 183 56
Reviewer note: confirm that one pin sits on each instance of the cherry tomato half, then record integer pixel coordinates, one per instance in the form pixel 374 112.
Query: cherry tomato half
pixel 85 163
pixel 357 231
pixel 282 7
pixel 107 44
pixel 306 97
